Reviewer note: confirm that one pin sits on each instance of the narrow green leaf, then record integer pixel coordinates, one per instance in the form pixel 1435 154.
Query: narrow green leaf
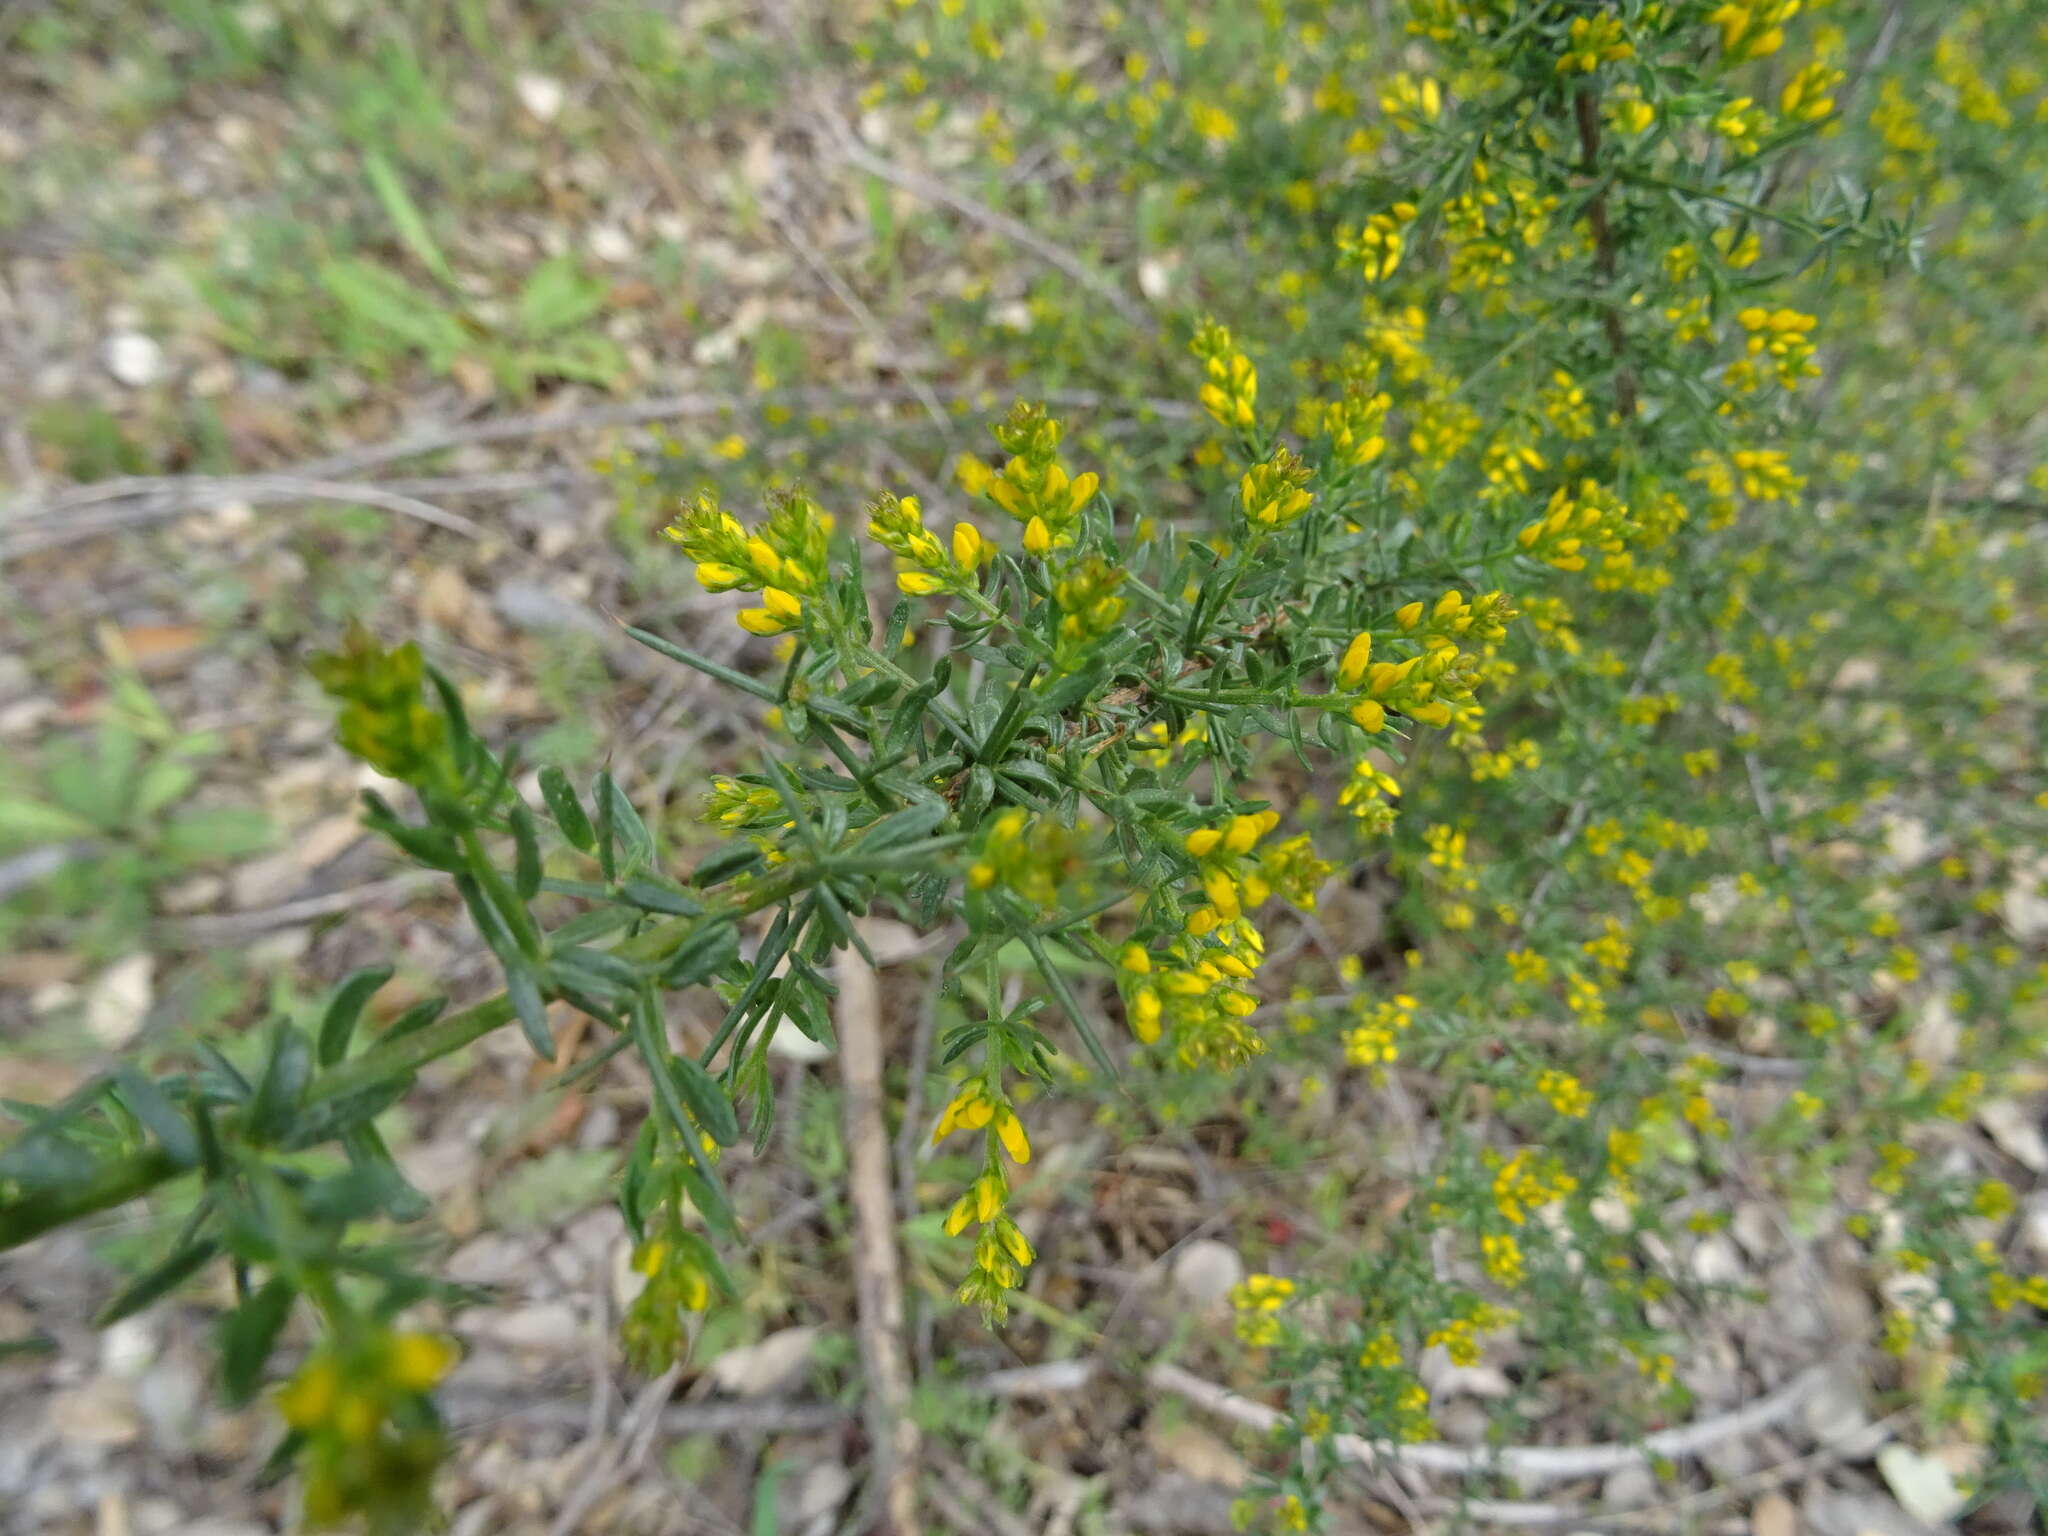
pixel 158 1281
pixel 164 1121
pixel 704 664
pixel 567 810
pixel 284 1077
pixel 248 1335
pixel 1065 994
pixel 707 1101
pixel 338 1025
pixel 633 839
pixel 725 863
pixel 526 852
pixel 530 1008
pixel 708 950
pixel 406 219
pixel 652 894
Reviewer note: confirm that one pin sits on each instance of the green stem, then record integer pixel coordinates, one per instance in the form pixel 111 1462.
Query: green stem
pixel 111 1184
pixel 136 1174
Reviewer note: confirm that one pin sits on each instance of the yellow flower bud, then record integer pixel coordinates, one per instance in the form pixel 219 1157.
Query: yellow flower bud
pixel 1014 1240
pixel 918 583
pixel 719 578
pixel 1203 840
pixel 960 1215
pixel 1037 538
pixel 307 1400
pixel 1351 669
pixel 419 1360
pixel 1010 1132
pixel 1370 714
pixel 1135 959
pixel 969 548
pixel 1145 1010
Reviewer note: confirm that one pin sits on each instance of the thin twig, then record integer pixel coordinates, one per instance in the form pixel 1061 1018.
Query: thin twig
pixel 886 350
pixel 223 927
pixel 165 496
pixel 932 190
pixel 878 1285
pixel 612 1460
pixel 1524 1463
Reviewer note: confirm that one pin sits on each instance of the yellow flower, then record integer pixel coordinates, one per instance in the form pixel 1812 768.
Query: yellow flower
pixel 419 1360
pixel 779 611
pixel 969 548
pixel 1010 1132
pixel 307 1400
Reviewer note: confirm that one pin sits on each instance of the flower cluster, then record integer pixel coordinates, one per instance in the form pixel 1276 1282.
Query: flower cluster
pixel 1001 1252
pixel 1257 1300
pixel 897 524
pixel 784 562
pixel 1230 391
pixel 372 1441
pixel 1033 486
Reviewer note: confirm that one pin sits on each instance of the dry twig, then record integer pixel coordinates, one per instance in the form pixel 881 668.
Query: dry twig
pixel 878 1285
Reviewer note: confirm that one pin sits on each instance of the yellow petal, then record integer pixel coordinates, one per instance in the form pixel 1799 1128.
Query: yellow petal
pixel 968 548
pixel 419 1360
pixel 1357 655
pixel 1010 1132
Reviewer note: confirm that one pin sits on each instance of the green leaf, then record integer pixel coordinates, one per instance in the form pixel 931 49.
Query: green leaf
pixel 387 305
pixel 615 811
pixel 338 1024
pixel 405 216
pixel 526 860
pixel 1059 988
pixel 567 810
pixel 707 951
pixel 418 1016
pixel 707 1101
pixel 222 832
pixel 148 1104
pixel 704 664
pixel 29 822
pixel 395 1193
pixel 277 1093
pixel 530 1008
pixel 725 863
pixel 164 782
pixel 652 894
pixel 903 827
pixel 158 1281
pixel 558 297
pixel 698 1177
pixel 249 1334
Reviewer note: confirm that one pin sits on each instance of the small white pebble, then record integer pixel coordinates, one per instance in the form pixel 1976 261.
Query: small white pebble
pixel 541 95
pixel 610 243
pixel 134 359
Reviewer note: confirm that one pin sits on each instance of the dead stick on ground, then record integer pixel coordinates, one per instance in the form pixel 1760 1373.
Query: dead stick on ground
pixel 1524 1463
pixel 878 1284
